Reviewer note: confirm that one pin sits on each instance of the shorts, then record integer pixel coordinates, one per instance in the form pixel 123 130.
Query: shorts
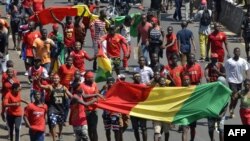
pixel 213 121
pixel 29 60
pixel 116 62
pixel 55 119
pixel 158 126
pixel 113 122
pixel 81 133
pixel 235 87
pixel 138 123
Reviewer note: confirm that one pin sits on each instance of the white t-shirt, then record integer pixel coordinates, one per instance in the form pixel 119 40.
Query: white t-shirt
pixel 235 70
pixel 145 73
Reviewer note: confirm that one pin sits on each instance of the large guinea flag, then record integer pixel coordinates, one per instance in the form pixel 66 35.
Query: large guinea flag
pixel 179 105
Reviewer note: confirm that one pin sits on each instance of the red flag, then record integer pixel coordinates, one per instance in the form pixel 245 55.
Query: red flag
pixel 60 13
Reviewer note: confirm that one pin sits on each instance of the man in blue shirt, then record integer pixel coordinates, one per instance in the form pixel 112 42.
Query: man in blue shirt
pixel 184 40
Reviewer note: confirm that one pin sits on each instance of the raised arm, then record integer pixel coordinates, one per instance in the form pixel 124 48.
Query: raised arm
pixel 58 21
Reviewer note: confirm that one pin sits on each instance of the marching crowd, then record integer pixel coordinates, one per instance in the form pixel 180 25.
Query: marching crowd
pixel 61 90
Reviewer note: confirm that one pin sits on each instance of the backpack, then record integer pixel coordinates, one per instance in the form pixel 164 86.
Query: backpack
pixel 206 18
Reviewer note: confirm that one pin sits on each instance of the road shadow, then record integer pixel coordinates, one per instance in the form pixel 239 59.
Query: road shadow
pixel 202 123
pixel 176 23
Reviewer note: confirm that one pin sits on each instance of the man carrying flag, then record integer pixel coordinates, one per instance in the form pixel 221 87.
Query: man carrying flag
pixel 115 42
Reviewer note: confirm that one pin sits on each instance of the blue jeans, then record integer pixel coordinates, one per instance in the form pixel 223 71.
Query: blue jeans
pixel 145 53
pixel 47 66
pixel 36 135
pixel 177 13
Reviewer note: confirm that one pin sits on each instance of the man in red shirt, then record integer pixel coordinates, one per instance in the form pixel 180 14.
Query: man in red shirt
pixel 68 32
pixel 78 56
pixel 77 116
pixel 34 117
pixel 216 40
pixel 38 5
pixel 142 30
pixel 115 42
pixel 90 87
pixel 29 39
pixel 194 70
pixel 174 70
pixel 214 69
pixel 171 45
pixel 36 71
pixel 66 72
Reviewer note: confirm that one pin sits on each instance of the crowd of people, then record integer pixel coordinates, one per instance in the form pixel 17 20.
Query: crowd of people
pixel 62 90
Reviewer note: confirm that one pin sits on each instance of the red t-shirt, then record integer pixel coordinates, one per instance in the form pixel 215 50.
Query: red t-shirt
pixel 143 30
pixel 115 44
pixel 77 113
pixel 69 35
pixel 13 110
pixel 93 89
pixel 78 59
pixel 170 38
pixel 36 73
pixel 5 75
pixel 29 39
pixel 7 84
pixel 175 73
pixel 195 73
pixel 66 74
pixel 36 116
pixel 38 5
pixel 216 40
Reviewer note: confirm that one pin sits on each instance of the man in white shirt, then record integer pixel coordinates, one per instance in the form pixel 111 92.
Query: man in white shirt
pixel 145 71
pixel 235 67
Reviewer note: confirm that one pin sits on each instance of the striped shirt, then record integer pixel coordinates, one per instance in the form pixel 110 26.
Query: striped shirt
pixel 99 28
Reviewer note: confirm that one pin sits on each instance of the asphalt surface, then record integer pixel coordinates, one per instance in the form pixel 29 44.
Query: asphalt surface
pixel 166 20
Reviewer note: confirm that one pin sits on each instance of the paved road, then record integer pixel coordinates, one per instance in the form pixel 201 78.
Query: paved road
pixel 202 131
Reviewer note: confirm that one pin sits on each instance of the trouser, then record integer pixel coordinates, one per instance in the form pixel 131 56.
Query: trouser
pixel 177 13
pixel 144 52
pixel 92 119
pixel 3 67
pixel 203 43
pixel 14 122
pixel 81 133
pixel 36 135
pixel 235 88
pixel 125 59
pixel 187 10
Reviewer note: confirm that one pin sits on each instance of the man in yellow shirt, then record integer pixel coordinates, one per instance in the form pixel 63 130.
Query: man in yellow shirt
pixel 42 48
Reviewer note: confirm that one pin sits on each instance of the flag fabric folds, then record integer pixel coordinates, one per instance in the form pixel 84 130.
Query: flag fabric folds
pixel 136 21
pixel 104 69
pixel 61 12
pixel 178 105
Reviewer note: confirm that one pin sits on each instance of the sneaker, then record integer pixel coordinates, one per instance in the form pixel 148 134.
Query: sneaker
pixel 201 60
pixel 126 69
pixel 231 114
pixel 26 73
